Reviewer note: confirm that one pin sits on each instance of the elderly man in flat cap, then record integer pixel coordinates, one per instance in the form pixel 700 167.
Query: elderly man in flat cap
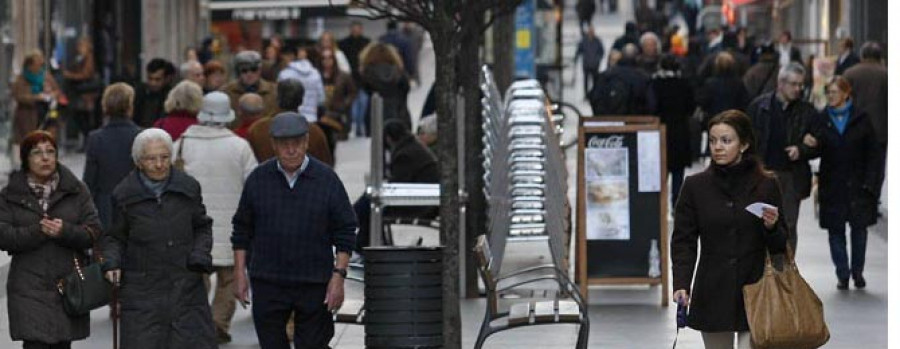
pixel 293 213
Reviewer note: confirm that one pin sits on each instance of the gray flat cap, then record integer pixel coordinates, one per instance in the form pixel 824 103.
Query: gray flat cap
pixel 247 59
pixel 288 124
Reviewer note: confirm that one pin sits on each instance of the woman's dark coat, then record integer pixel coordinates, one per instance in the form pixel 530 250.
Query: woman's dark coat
pixel 848 171
pixel 392 84
pixel 162 247
pixel 711 208
pixel 675 106
pixel 108 161
pixel 38 261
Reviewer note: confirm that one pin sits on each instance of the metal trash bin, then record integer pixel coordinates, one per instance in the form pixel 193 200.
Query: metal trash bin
pixel 403 297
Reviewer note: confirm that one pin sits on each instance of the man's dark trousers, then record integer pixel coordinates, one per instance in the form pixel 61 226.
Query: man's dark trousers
pixel 593 74
pixel 273 304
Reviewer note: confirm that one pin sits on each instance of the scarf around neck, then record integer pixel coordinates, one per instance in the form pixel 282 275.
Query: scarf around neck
pixel 35 80
pixel 840 116
pixel 156 187
pixel 43 190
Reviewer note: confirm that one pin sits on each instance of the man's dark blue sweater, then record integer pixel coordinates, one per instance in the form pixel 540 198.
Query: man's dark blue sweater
pixel 290 232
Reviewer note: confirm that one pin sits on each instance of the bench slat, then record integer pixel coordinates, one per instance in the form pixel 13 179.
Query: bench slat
pixel 544 311
pixel 568 311
pixel 520 314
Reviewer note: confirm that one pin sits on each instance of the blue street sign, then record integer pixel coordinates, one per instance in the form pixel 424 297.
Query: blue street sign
pixel 525 39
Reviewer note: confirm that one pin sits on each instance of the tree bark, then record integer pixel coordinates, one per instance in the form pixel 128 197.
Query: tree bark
pixel 450 23
pixel 445 51
pixel 476 205
pixel 504 33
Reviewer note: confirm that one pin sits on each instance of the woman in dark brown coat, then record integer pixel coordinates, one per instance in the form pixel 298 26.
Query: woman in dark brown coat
pixel 46 219
pixel 382 72
pixel 32 90
pixel 85 87
pixel 339 92
pixel 711 209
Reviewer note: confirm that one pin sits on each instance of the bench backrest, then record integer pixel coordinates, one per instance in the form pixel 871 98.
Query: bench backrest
pixel 485 260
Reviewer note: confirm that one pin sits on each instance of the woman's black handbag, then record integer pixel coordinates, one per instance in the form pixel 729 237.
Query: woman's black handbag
pixel 85 289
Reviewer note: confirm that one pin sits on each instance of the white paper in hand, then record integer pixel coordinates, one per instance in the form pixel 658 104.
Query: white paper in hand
pixel 756 208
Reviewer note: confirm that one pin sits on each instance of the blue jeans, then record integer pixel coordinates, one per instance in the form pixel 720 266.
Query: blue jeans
pixel 837 238
pixel 358 112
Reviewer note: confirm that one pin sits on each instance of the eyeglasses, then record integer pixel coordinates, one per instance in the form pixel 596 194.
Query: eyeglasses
pixel 156 158
pixel 249 70
pixel 36 153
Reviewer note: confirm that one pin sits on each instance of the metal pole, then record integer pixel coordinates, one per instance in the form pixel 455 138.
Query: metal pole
pixel 463 196
pixel 47 48
pixel 376 175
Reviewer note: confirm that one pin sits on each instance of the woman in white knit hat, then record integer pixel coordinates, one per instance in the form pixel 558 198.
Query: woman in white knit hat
pixel 220 161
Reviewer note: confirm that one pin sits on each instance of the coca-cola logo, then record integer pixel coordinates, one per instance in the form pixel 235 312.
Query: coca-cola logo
pixel 608 142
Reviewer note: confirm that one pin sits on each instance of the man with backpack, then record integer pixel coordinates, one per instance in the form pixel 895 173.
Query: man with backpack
pixel 623 89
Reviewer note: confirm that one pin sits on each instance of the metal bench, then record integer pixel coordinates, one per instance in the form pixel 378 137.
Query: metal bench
pixel 562 305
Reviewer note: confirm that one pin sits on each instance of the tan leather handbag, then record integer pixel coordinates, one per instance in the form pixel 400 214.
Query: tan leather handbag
pixel 783 311
pixel 179 161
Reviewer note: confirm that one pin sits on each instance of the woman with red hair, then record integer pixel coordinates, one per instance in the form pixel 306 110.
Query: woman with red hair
pixel 848 176
pixel 47 218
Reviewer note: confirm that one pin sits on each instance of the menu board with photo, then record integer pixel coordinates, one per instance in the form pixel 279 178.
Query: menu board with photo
pixel 622 205
pixel 606 186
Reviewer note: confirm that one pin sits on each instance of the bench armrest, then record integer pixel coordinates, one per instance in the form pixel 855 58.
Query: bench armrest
pixel 526 270
pixel 527 281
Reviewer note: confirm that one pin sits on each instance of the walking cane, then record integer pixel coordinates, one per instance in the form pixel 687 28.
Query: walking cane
pixel 115 314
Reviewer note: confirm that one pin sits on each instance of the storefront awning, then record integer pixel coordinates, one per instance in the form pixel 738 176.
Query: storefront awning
pixel 268 10
pixel 267 4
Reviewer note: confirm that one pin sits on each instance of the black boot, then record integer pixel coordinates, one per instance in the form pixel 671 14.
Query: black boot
pixel 859 281
pixel 843 284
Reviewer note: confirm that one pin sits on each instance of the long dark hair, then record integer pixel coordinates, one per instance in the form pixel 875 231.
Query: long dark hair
pixel 742 125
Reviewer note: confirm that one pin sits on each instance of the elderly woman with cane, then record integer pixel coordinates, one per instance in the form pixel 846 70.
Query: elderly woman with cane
pixel 159 246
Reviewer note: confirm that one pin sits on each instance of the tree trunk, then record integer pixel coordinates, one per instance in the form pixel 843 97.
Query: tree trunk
pixel 445 51
pixel 504 33
pixel 476 205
